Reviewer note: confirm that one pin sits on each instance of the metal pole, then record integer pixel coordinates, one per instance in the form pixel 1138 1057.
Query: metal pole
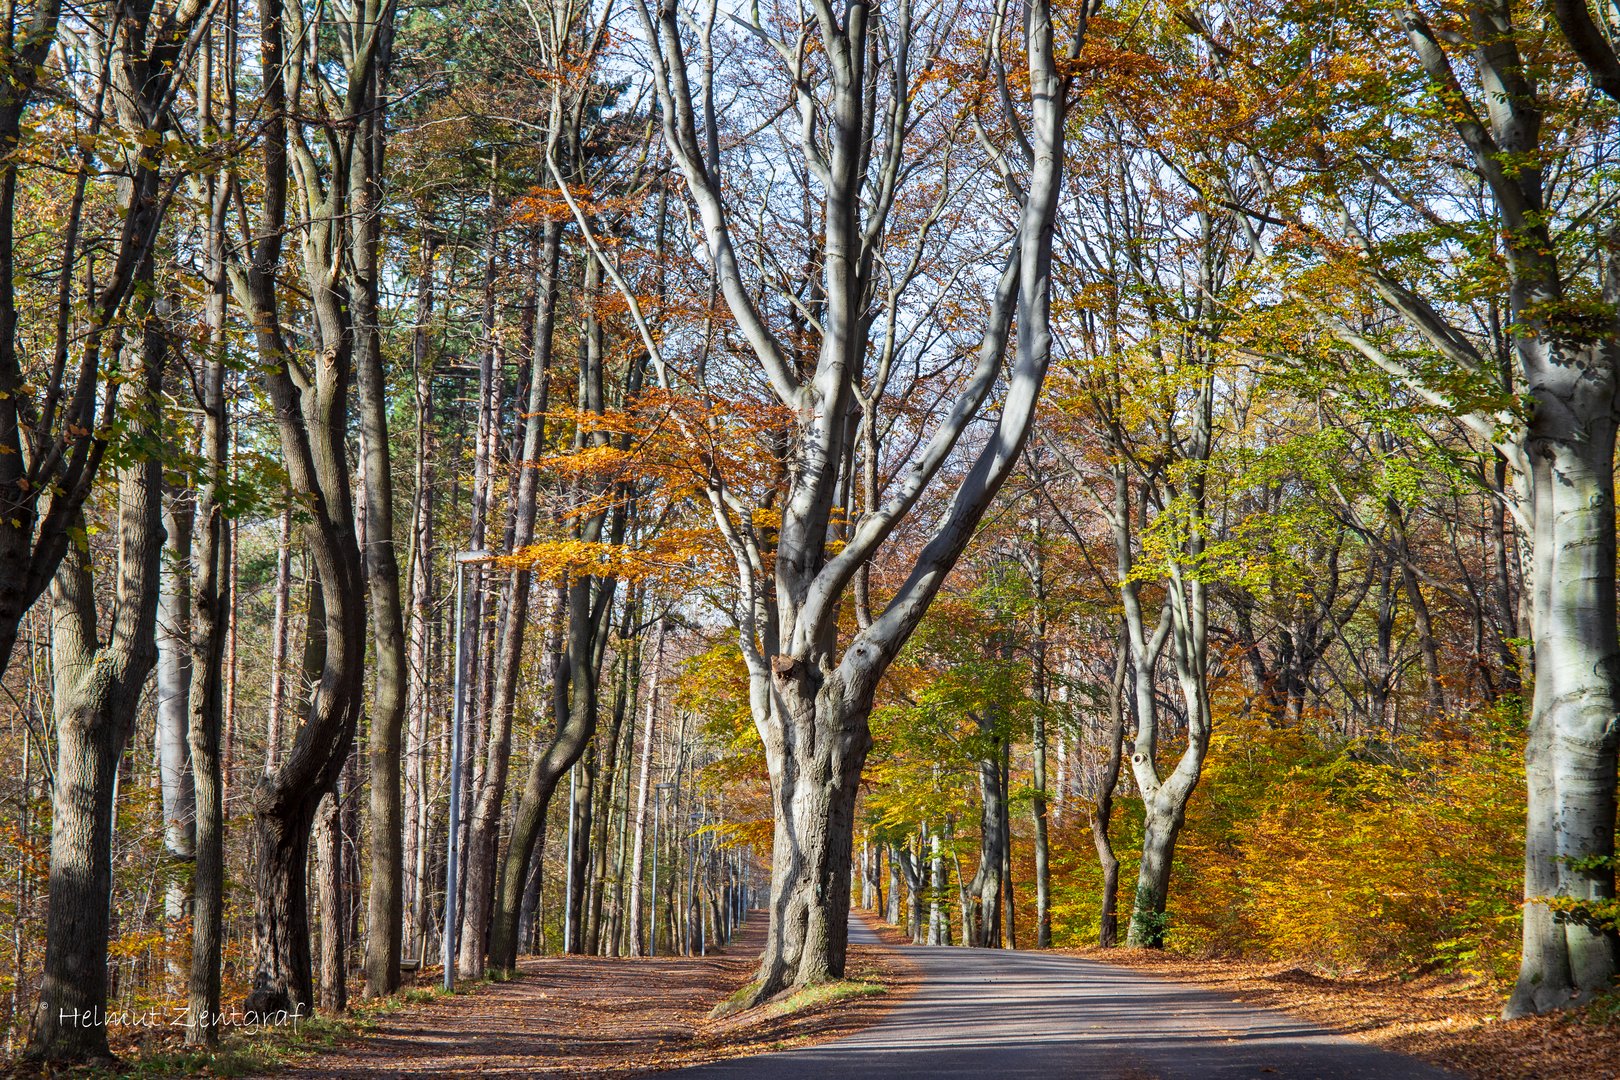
pixel 652 922
pixel 452 848
pixel 568 893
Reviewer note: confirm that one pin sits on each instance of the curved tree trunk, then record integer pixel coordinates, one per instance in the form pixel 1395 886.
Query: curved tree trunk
pixel 483 835
pixel 815 758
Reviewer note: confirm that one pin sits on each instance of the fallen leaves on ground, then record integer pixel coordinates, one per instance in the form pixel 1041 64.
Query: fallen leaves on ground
pixel 1448 1020
pixel 606 1017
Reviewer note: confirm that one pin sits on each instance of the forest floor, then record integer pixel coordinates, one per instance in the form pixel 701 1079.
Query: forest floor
pixel 605 1017
pixel 1447 1020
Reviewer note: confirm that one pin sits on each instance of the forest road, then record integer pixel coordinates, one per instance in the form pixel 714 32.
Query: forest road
pixel 997 1015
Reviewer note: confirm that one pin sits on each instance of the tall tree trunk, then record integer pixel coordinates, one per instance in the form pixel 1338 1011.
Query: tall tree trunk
pixel 638 846
pixel 419 704
pixel 173 701
pixel 328 832
pixel 1570 759
pixel 385 899
pixel 608 751
pixel 280 633
pixel 1037 806
pixel 986 885
pixel 1008 907
pixel 1102 801
pixel 581 803
pixel 213 601
pixel 96 691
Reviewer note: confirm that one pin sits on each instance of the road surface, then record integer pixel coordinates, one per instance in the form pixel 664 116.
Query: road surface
pixel 994 1015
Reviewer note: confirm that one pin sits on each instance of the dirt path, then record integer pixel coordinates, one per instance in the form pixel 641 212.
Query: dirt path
pixel 595 1016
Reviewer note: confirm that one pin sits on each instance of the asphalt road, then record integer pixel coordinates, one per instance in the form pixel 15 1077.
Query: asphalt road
pixel 996 1015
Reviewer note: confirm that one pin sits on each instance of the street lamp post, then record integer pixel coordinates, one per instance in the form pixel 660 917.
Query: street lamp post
pixel 458 710
pixel 658 809
pixel 568 888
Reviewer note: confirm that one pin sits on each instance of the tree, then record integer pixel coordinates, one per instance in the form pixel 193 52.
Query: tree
pixel 98 675
pixel 853 81
pixel 1550 323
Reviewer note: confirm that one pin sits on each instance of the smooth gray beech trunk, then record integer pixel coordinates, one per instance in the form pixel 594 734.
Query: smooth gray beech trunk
pixel 1568 368
pixel 172 716
pixel 1101 812
pixel 810 693
pixel 1183 623
pixel 638 849
pixel 987 879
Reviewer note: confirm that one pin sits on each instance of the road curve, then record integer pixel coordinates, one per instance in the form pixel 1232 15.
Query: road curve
pixel 997 1015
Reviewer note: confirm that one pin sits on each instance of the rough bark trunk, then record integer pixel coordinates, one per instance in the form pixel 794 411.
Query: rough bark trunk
pixel 815 761
pixel 419 632
pixel 328 832
pixel 96 691
pixel 213 599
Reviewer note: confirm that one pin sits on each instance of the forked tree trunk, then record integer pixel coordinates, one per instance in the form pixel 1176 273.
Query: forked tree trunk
pixel 96 690
pixel 815 759
pixel 811 706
